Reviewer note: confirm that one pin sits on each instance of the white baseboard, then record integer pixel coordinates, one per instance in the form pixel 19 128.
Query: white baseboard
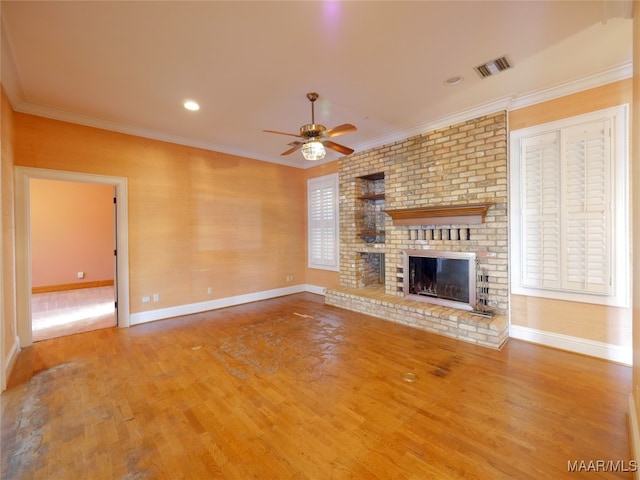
pixel 634 433
pixel 10 362
pixel 607 351
pixel 162 313
pixel 315 289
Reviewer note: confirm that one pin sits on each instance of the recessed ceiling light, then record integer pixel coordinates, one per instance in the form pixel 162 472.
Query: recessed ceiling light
pixel 191 105
pixel 454 80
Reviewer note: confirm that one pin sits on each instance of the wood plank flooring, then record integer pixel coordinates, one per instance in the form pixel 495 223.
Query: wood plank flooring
pixel 292 389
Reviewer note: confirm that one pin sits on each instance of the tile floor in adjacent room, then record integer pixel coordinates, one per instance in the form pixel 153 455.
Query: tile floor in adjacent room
pixel 56 314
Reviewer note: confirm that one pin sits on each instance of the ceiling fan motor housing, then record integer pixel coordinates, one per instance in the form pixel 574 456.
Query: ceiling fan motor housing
pixel 312 130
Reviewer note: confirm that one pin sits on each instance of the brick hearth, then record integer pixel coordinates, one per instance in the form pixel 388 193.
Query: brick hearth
pixel 489 332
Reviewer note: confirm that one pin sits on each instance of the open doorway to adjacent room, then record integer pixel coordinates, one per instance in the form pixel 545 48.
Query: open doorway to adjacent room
pixel 73 264
pixel 117 241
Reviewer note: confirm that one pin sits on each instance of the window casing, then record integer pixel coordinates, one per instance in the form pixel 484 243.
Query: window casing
pixel 569 214
pixel 323 222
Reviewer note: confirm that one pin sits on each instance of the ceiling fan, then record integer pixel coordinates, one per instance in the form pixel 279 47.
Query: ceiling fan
pixel 316 137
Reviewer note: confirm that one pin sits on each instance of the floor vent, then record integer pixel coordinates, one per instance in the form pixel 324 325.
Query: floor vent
pixel 493 67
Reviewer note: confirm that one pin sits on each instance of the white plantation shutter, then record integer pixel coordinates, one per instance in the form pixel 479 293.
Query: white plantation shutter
pixel 541 211
pixel 569 209
pixel 322 193
pixel 587 216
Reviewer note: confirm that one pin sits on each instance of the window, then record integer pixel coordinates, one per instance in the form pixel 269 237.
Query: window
pixel 322 201
pixel 569 209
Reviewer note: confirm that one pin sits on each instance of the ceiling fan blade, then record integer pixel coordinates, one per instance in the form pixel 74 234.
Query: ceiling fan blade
pixel 295 146
pixel 337 147
pixel 340 130
pixel 283 133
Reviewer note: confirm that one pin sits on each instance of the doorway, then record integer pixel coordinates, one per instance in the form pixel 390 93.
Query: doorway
pixel 72 227
pixel 24 280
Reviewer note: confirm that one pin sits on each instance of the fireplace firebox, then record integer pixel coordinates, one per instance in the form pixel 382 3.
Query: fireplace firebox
pixel 443 278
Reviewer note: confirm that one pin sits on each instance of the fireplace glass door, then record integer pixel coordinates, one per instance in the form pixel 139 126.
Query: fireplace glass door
pixel 447 278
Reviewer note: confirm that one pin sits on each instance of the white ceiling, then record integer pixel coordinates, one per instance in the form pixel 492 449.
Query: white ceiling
pixel 381 65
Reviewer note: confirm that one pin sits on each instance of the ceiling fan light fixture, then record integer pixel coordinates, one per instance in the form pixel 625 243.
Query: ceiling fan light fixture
pixel 315 137
pixel 313 150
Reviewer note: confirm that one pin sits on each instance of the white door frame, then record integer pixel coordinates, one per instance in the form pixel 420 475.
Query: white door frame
pixel 23 242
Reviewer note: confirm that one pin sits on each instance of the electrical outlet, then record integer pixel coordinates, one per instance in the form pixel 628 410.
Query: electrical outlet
pixel 209 291
pixel 156 297
pixel 80 274
pixel 289 278
pixel 145 299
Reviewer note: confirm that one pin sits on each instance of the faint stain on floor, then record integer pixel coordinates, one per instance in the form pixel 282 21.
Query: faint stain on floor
pixel 296 343
pixel 33 416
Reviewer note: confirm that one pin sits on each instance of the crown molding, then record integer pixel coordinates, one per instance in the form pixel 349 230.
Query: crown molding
pixel 585 83
pixel 507 103
pixel 88 121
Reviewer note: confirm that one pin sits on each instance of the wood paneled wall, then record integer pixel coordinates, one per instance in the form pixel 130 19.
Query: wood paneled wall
pixel 198 220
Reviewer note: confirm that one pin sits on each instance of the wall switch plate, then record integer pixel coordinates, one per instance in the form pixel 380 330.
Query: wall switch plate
pixel 80 274
pixel 145 299
pixel 156 297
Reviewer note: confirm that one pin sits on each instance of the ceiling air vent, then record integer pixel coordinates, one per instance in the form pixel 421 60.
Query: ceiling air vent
pixel 493 67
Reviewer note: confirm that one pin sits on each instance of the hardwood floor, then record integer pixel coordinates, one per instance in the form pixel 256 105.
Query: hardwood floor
pixel 292 389
pixel 55 314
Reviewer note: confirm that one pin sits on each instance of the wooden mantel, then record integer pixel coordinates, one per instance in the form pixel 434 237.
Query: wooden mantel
pixel 440 215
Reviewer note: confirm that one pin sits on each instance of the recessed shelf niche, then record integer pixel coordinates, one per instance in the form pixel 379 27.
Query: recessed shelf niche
pixel 370 209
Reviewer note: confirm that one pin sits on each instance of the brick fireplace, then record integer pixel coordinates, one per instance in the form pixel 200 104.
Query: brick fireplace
pixel 444 190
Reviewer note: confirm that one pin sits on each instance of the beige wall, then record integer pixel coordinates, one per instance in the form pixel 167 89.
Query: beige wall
pixel 197 219
pixel 609 325
pixel 72 230
pixel 616 93
pixel 8 296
